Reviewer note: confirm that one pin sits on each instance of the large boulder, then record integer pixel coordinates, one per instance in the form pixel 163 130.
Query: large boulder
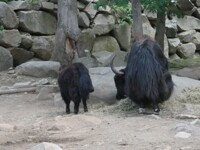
pixel 43 46
pixel 90 10
pixel 123 35
pixel 196 40
pixel 24 5
pixel 174 43
pixel 171 28
pixel 6 60
pixel 105 43
pixel 85 41
pixel 20 55
pixel 187 36
pixel 37 22
pixel 188 23
pixel 185 5
pixel 10 38
pixel 186 50
pixel 26 41
pixel 83 20
pixel 103 58
pixel 103 23
pixel 8 18
pixel 193 72
pixel 39 68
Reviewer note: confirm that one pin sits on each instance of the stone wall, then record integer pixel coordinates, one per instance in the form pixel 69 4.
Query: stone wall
pixel 29 33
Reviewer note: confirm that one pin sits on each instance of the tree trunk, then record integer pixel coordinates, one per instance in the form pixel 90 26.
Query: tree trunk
pixel 160 29
pixel 67 32
pixel 137 20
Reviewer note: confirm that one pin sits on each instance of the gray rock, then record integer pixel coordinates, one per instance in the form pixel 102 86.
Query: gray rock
pixel 186 50
pixel 182 127
pixel 103 24
pixel 193 72
pixel 188 23
pixel 197 13
pixel 22 84
pixel 46 146
pixel 37 22
pixel 183 135
pixel 43 46
pixel 6 60
pixel 26 41
pixel 50 88
pixel 20 55
pixel 173 45
pixel 103 57
pixel 48 6
pixel 171 28
pixel 80 5
pixel 8 18
pixel 40 82
pixel 196 40
pixel 174 56
pixel 187 36
pixel 186 116
pixel 10 38
pixel 185 5
pixel 198 3
pixel 39 68
pixel 105 43
pixel 147 28
pixel 83 20
pixel 24 5
pixel 122 34
pixel 196 122
pixel 89 61
pixel 90 10
pixel 85 42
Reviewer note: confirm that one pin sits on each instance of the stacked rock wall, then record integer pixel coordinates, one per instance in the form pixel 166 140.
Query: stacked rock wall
pixel 29 32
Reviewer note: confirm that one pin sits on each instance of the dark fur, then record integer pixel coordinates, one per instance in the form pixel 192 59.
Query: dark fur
pixel 147 79
pixel 75 84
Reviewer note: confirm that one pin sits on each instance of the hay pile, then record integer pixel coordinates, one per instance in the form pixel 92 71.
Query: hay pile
pixel 174 105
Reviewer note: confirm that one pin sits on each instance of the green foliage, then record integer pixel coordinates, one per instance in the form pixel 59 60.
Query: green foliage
pixel 166 6
pixel 121 9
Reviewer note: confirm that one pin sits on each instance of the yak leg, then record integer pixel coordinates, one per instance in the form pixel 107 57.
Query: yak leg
pixel 85 104
pixel 67 101
pixel 68 107
pixel 76 105
pixel 156 108
pixel 141 109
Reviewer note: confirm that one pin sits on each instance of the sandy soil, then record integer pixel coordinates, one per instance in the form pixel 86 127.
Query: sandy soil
pixel 29 121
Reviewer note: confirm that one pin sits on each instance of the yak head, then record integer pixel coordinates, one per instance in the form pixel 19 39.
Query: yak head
pixel 119 80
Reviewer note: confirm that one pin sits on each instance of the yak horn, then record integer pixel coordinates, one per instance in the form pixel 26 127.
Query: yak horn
pixel 113 69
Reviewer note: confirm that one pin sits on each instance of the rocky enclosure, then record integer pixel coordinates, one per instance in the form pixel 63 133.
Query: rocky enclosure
pixel 29 32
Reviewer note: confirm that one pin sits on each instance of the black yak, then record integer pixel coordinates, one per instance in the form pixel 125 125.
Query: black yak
pixel 75 84
pixel 145 79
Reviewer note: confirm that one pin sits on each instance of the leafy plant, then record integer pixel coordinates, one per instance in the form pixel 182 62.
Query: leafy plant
pixel 6 1
pixel 121 9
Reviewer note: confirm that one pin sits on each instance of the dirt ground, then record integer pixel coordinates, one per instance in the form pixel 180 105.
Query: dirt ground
pixel 29 121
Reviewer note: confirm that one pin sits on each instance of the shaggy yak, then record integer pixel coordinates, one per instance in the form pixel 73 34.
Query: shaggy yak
pixel 75 84
pixel 145 79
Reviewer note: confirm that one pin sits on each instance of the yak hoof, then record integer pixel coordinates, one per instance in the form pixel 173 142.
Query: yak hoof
pixel 141 110
pixel 156 111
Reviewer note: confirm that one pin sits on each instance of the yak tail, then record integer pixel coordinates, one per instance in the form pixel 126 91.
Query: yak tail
pixel 85 85
pixel 144 74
